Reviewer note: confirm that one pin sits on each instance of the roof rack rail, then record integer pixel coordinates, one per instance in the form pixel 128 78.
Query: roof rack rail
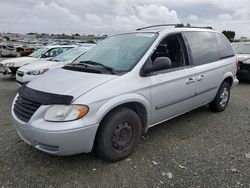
pixel 189 26
pixel 161 25
pixel 175 25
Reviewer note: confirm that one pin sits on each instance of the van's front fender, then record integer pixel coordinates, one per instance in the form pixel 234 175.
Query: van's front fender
pixel 96 116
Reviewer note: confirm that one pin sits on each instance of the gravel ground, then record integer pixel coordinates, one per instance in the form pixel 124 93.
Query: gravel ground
pixel 198 149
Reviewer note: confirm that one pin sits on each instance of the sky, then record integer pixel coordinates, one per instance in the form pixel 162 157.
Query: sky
pixel 116 16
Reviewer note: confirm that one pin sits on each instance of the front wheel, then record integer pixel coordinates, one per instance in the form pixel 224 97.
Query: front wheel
pixel 118 134
pixel 222 98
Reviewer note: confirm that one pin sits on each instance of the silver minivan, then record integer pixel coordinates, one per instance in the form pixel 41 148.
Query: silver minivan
pixel 110 96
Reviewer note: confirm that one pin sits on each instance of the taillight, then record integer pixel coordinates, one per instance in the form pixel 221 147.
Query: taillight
pixel 238 64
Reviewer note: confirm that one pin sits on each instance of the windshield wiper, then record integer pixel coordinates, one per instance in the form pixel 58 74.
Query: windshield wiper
pixel 110 69
pixel 81 67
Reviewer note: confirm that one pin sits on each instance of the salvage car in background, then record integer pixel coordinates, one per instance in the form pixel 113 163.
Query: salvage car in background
pixel 126 84
pixel 8 50
pixel 243 55
pixel 25 51
pixel 10 66
pixel 32 71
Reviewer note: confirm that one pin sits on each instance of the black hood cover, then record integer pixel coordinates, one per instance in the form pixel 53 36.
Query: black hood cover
pixel 43 97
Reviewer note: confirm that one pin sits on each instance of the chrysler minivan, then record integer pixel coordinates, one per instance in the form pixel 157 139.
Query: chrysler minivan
pixel 116 91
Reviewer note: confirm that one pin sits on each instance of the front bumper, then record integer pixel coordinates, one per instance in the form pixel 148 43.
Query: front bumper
pixel 243 74
pixel 65 142
pixel 4 70
pixel 21 83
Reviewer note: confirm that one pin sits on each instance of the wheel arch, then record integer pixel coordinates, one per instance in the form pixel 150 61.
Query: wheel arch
pixel 136 102
pixel 228 77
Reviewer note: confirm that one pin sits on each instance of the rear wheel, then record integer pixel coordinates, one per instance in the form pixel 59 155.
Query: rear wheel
pixel 222 98
pixel 118 134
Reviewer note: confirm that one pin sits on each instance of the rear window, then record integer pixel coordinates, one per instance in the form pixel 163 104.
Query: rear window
pixel 225 48
pixel 203 47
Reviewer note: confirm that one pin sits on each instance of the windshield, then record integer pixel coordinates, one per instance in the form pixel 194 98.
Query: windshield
pixel 68 55
pixel 120 52
pixel 38 52
pixel 242 48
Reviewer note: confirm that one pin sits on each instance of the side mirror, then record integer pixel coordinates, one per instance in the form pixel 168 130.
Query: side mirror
pixel 159 64
pixel 43 56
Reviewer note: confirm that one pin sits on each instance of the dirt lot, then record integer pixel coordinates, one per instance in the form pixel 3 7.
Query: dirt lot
pixel 198 149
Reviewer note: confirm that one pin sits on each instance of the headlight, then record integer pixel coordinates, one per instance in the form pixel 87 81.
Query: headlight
pixel 37 72
pixel 9 64
pixel 59 113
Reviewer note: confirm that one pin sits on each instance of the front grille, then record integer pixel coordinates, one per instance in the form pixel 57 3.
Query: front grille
pixel 24 109
pixel 20 73
pixel 21 83
pixel 13 69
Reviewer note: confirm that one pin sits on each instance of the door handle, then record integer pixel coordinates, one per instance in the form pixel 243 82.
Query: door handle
pixel 190 80
pixel 201 77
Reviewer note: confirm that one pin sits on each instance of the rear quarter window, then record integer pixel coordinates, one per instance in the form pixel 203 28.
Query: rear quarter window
pixel 203 47
pixel 225 48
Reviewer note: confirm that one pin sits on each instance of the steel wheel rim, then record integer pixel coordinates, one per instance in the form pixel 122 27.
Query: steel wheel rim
pixel 122 137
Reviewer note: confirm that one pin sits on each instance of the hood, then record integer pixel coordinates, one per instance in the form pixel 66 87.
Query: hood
pixel 41 64
pixel 67 82
pixel 242 57
pixel 246 61
pixel 20 61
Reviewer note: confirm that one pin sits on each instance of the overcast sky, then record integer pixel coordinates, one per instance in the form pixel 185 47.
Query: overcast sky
pixel 114 16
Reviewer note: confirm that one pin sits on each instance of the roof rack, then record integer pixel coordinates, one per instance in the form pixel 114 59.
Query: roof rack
pixel 189 26
pixel 161 25
pixel 175 25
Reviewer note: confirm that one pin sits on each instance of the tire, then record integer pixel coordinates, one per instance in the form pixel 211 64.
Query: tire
pixel 118 134
pixel 222 97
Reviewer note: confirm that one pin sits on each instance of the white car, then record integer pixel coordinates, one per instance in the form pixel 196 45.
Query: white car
pixel 10 66
pixel 242 50
pixel 32 71
pixel 8 50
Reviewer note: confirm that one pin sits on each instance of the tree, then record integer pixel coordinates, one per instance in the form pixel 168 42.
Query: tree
pixel 230 35
pixel 6 38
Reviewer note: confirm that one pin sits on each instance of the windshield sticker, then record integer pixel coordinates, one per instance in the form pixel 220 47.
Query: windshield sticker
pixel 145 35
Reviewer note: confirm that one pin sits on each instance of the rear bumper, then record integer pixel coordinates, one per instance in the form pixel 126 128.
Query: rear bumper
pixel 235 82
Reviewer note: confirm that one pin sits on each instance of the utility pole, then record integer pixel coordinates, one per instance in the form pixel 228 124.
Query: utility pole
pixel 9 27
